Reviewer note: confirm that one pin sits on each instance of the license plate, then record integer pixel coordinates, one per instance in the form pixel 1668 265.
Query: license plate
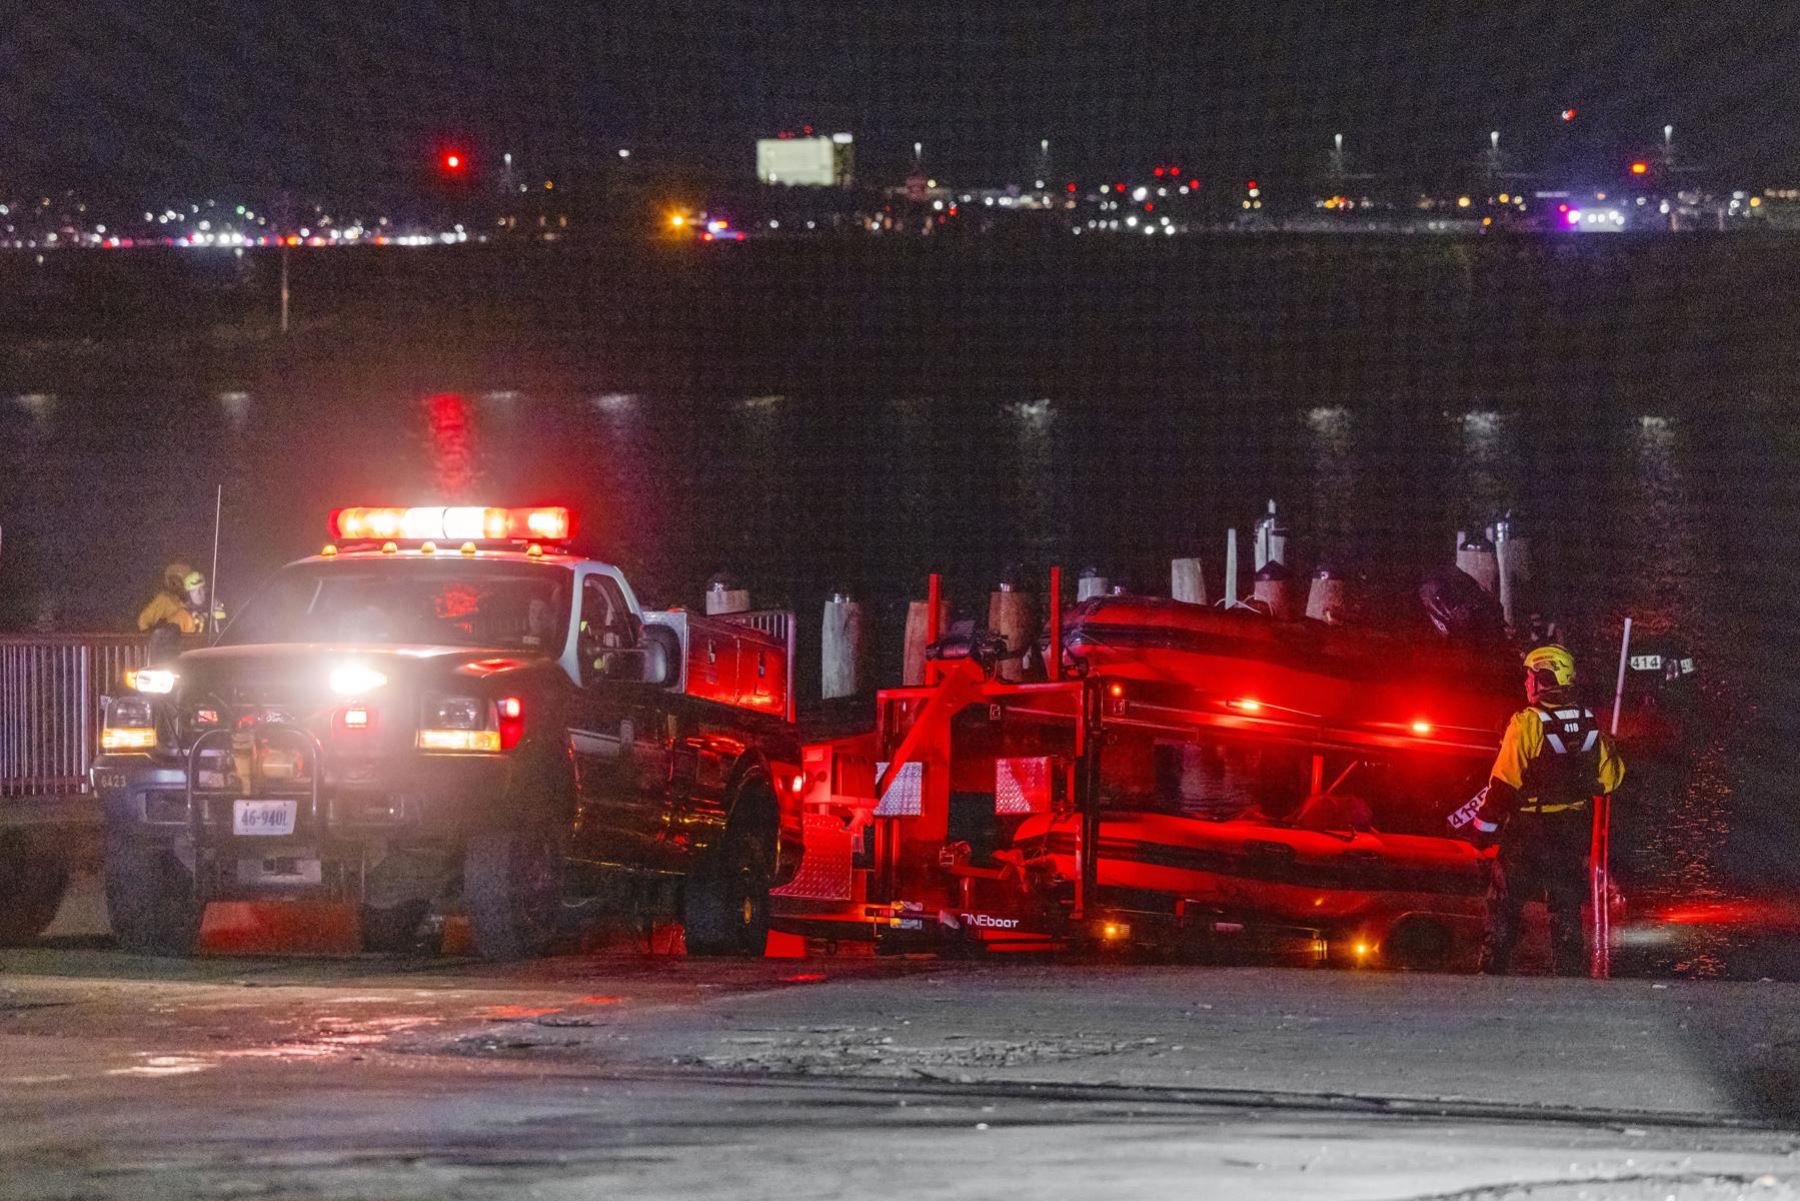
pixel 263 817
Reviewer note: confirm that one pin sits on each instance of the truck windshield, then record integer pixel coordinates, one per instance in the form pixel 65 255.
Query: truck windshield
pixel 508 606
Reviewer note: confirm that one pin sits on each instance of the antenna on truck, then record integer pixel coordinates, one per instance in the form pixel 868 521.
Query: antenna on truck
pixel 212 593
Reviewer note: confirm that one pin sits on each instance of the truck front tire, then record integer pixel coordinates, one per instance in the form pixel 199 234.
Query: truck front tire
pixel 149 897
pixel 33 878
pixel 513 890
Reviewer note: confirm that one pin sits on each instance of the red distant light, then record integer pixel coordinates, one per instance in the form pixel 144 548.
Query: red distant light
pixel 1158 172
pixel 1174 170
pixel 1070 187
pixel 453 161
pixel 1193 183
pixel 1149 208
pixel 1251 184
pixel 1568 114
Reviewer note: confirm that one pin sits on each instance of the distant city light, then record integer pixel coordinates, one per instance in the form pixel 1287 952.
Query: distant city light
pixel 624 153
pixel 1640 168
pixel 1568 114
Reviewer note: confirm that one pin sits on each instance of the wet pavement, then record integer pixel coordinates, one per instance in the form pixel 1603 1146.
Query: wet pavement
pixel 631 1073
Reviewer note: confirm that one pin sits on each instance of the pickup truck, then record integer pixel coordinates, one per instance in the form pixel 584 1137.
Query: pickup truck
pixel 448 710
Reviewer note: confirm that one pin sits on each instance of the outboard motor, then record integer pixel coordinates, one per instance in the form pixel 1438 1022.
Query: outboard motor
pixel 1460 609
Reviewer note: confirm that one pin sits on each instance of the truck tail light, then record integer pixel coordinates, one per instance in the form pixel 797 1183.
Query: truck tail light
pixel 512 721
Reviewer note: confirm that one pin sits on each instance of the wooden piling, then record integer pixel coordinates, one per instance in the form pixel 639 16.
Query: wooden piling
pixel 843 646
pixel 1328 597
pixel 1475 558
pixel 1275 588
pixel 1009 615
pixel 1231 569
pixel 920 633
pixel 724 596
pixel 1187 581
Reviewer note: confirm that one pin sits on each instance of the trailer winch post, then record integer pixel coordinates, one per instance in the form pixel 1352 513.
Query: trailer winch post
pixel 934 597
pixel 1087 803
pixel 1599 881
pixel 1600 846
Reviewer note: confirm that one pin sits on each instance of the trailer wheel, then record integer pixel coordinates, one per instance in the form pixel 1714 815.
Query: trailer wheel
pixel 150 897
pixel 33 878
pixel 727 899
pixel 395 930
pixel 513 888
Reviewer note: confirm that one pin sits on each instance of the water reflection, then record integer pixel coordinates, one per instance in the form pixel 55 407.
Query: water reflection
pixel 236 407
pixel 1039 513
pixel 452 444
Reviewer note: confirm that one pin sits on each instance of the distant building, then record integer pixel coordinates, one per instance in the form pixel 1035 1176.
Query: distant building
pixel 807 162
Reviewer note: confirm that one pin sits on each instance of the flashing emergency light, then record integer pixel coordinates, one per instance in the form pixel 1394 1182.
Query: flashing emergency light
pixel 1246 705
pixel 452 523
pixel 1421 727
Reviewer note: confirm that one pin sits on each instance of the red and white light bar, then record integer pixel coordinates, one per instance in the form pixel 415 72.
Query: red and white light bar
pixel 453 523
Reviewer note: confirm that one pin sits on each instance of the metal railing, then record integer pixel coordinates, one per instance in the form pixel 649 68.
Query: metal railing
pixel 50 690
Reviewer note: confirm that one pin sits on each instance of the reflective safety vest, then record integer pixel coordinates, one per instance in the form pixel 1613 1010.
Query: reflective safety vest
pixel 1566 773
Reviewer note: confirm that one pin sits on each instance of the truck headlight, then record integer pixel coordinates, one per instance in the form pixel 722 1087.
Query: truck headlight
pixel 155 680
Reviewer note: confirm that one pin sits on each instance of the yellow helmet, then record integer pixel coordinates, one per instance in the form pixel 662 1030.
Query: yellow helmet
pixel 1554 662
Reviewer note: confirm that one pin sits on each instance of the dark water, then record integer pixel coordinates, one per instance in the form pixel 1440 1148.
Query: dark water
pixel 830 415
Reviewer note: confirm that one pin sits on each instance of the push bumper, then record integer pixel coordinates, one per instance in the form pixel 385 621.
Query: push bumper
pixel 343 818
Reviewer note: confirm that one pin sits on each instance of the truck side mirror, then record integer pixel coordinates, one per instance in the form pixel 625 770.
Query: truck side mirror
pixel 653 663
pixel 662 659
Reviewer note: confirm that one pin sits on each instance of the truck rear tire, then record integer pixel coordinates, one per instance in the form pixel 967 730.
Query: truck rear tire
pixel 395 930
pixel 513 889
pixel 33 877
pixel 727 903
pixel 150 897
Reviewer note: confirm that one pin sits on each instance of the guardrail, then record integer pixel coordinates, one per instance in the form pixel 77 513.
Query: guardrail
pixel 50 690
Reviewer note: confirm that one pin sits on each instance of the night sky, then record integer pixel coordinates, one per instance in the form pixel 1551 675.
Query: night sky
pixel 122 96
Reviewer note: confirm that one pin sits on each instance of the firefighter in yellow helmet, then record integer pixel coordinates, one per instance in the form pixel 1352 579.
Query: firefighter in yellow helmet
pixel 1553 760
pixel 177 611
